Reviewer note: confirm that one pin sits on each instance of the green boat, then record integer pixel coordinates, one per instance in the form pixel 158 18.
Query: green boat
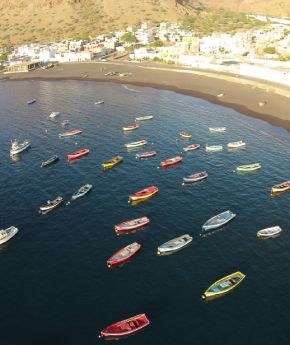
pixel 49 161
pixel 249 167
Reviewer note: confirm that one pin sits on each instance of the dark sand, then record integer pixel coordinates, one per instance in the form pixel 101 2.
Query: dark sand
pixel 270 102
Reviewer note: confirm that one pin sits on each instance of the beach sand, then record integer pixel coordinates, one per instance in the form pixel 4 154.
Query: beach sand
pixel 270 102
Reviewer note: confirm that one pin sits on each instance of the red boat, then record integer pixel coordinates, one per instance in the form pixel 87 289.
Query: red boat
pixel 146 154
pixel 171 161
pixel 78 154
pixel 131 225
pixel 70 133
pixel 144 193
pixel 191 147
pixel 185 134
pixel 125 328
pixel 123 254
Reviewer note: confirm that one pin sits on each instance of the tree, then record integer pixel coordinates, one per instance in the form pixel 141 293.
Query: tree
pixel 270 50
pixel 129 37
pixel 157 43
pixel 187 22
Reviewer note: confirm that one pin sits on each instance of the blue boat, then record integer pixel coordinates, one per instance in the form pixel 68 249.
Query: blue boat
pixel 31 101
pixel 218 220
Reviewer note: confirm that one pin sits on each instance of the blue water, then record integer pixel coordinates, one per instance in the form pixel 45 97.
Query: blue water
pixel 55 286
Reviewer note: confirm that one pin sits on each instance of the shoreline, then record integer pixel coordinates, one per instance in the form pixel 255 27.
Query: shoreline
pixel 255 98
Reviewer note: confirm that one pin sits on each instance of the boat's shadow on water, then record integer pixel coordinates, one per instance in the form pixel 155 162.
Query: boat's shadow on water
pixel 208 233
pixel 277 194
pixel 193 184
pixel 136 202
pixel 268 238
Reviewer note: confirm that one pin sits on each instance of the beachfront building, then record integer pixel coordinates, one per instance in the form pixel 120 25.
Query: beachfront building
pixel 144 53
pixel 73 57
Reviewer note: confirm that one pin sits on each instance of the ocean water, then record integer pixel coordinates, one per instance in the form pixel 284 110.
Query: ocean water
pixel 55 286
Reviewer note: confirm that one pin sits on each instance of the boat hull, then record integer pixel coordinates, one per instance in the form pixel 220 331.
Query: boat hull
pixel 248 168
pixel 269 232
pixel 195 178
pixel 112 163
pixel 78 154
pixel 170 162
pixel 191 147
pixel 11 232
pixel 131 225
pixel 70 133
pixel 123 255
pixel 49 162
pixel 144 155
pixel 174 245
pixel 212 225
pixel 144 194
pixel 136 144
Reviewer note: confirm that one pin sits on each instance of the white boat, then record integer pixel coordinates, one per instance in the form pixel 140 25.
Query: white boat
pixel 236 144
pixel 269 232
pixel 144 118
pixel 17 148
pixel 217 129
pixel 82 191
pixel 213 148
pixel 6 234
pixel 136 144
pixel 195 177
pixel 50 205
pixel 54 114
pixel 99 102
pixel 218 220
pixel 174 245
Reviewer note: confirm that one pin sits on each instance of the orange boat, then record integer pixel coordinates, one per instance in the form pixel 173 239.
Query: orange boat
pixel 144 194
pixel 78 154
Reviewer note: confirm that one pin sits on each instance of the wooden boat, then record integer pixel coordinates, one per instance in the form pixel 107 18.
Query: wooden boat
pixel 218 220
pixel 195 177
pixel 99 102
pixel 131 225
pixel 213 148
pixel 144 118
pixel 123 255
pixel 112 162
pixel 217 129
pixel 131 127
pixel 281 187
pixel 70 133
pixel 185 135
pixel 223 286
pixel 136 144
pixel 174 245
pixel 125 328
pixel 236 144
pixel 16 147
pixel 171 161
pixel 248 167
pixel 49 161
pixel 31 101
pixel 82 191
pixel 144 193
pixel 50 205
pixel 143 155
pixel 78 154
pixel 64 123
pixel 54 114
pixel 7 234
pixel 191 147
pixel 269 232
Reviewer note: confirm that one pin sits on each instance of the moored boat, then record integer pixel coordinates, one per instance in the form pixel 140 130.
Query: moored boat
pixel 64 123
pixel 49 161
pixel 185 135
pixel 136 144
pixel 144 193
pixel 112 162
pixel 78 154
pixel 143 155
pixel 123 255
pixel 54 114
pixel 236 144
pixel 171 161
pixel 50 205
pixel 218 220
pixel 223 286
pixel 18 147
pixel 269 232
pixel 70 133
pixel 213 148
pixel 144 118
pixel 131 225
pixel 7 234
pixel 248 167
pixel 174 245
pixel 31 101
pixel 99 102
pixel 217 129
pixel 125 328
pixel 195 177
pixel 131 127
pixel 281 187
pixel 82 191
pixel 191 147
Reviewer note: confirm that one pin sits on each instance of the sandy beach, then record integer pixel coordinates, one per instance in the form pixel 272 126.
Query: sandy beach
pixel 256 98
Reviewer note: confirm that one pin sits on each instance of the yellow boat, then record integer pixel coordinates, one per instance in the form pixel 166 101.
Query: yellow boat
pixel 112 162
pixel 281 187
pixel 223 286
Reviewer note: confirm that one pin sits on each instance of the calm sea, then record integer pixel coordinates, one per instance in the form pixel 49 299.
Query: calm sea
pixel 55 286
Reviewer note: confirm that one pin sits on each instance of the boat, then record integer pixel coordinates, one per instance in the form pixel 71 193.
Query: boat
pixel 125 328
pixel 99 102
pixel 236 144
pixel 112 162
pixel 70 133
pixel 131 225
pixel 281 187
pixel 78 154
pixel 223 286
pixel 248 167
pixel 195 177
pixel 136 144
pixel 64 123
pixel 218 220
pixel 123 255
pixel 171 161
pixel 174 245
pixel 50 205
pixel 213 148
pixel 185 135
pixel 191 147
pixel 17 148
pixel 142 155
pixel 217 129
pixel 49 161
pixel 31 101
pixel 144 118
pixel 82 191
pixel 269 232
pixel 54 114
pixel 131 127
pixel 6 234
pixel 144 193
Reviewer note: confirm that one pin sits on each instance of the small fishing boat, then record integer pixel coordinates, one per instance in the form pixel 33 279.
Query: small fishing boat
pixel 174 245
pixel 18 147
pixel 185 135
pixel 248 167
pixel 281 187
pixel 223 286
pixel 78 154
pixel 217 129
pixel 50 205
pixel 131 127
pixel 64 123
pixel 213 148
pixel 236 144
pixel 195 177
pixel 7 234
pixel 70 133
pixel 125 328
pixel 99 102
pixel 112 162
pixel 131 225
pixel 218 220
pixel 49 161
pixel 171 161
pixel 136 144
pixel 144 193
pixel 31 101
pixel 191 147
pixel 82 191
pixel 143 155
pixel 54 114
pixel 123 254
pixel 144 118
pixel 269 232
